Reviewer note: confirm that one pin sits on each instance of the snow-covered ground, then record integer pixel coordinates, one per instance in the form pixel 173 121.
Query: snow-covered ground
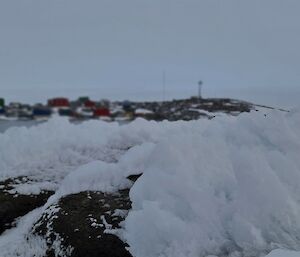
pixel 227 186
pixel 283 253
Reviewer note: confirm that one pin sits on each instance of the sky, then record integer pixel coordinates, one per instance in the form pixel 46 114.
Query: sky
pixel 120 49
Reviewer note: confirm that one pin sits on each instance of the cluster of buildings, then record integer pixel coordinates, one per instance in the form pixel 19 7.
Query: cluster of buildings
pixel 82 108
pixel 85 108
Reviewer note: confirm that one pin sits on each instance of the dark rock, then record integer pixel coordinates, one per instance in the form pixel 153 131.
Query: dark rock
pixel 13 206
pixel 134 178
pixel 190 109
pixel 76 225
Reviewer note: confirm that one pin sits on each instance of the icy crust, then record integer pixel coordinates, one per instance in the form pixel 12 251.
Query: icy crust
pixel 222 187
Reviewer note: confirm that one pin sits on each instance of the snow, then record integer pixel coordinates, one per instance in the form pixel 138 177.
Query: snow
pixel 143 111
pixel 230 185
pixel 283 253
pixel 203 112
pixel 209 187
pixel 47 153
pixel 19 242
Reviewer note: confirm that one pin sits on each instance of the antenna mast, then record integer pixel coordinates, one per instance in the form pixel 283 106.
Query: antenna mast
pixel 200 83
pixel 164 85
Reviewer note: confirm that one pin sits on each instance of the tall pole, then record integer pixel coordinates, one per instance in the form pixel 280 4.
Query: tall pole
pixel 164 85
pixel 200 89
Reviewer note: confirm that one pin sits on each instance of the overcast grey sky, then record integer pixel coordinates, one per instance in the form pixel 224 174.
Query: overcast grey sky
pixel 119 49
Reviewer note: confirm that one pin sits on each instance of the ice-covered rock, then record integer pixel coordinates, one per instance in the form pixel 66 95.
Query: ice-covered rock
pixel 15 205
pixel 85 224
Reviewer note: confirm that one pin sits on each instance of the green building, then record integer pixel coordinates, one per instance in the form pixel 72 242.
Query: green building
pixel 2 102
pixel 83 99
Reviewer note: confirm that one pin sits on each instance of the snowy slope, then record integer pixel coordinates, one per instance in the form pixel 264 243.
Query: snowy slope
pixel 209 188
pixel 283 253
pixel 231 185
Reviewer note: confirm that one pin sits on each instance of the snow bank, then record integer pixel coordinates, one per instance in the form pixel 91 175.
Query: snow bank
pixel 227 186
pixel 283 253
pixel 105 177
pixel 47 153
pixel 219 187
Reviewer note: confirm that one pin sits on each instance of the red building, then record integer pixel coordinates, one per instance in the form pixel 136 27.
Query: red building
pixel 59 102
pixel 89 104
pixel 101 112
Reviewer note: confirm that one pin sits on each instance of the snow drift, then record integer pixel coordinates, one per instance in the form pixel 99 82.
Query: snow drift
pixel 222 187
pixel 226 187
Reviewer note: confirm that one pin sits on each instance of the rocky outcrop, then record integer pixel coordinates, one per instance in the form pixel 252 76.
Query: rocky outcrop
pixel 85 224
pixel 78 225
pixel 14 205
